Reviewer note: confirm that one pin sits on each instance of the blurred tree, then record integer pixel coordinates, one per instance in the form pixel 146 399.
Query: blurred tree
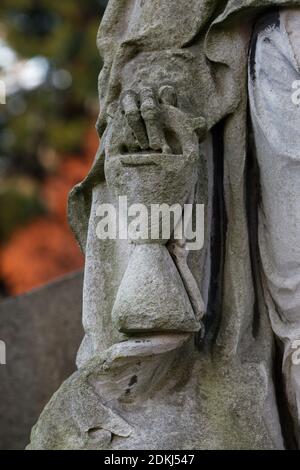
pixel 42 123
pixel 64 33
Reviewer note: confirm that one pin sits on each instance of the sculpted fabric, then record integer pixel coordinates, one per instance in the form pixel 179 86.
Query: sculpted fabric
pixel 194 55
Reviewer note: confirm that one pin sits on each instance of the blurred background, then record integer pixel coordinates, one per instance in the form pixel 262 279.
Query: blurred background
pixel 49 64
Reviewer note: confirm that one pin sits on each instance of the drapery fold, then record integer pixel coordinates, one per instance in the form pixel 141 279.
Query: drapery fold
pixel 205 50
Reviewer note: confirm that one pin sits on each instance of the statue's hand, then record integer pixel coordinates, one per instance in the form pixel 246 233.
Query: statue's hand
pixel 157 124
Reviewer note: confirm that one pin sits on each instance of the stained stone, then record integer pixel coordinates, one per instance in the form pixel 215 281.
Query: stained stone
pixel 190 349
pixel 152 284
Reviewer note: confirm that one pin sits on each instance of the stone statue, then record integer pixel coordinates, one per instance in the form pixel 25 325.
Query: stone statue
pixel 191 349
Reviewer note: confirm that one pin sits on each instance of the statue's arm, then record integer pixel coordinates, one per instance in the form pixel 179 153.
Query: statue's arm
pixel 150 46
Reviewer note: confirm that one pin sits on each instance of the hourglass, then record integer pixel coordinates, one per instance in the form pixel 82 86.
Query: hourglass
pixel 152 296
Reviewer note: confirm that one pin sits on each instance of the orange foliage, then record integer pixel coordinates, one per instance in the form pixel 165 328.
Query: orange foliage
pixel 45 249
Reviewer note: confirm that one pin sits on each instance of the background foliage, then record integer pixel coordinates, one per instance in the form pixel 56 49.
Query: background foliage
pixel 44 125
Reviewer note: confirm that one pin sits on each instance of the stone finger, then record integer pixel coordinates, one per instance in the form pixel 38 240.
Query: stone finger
pixel 151 115
pixel 130 109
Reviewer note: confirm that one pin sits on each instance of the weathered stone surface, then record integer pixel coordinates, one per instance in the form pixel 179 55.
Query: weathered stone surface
pixel 174 85
pixel 42 331
pixel 159 393
pixel 151 285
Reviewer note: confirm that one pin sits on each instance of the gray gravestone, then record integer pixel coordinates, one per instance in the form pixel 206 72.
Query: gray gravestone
pixel 42 331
